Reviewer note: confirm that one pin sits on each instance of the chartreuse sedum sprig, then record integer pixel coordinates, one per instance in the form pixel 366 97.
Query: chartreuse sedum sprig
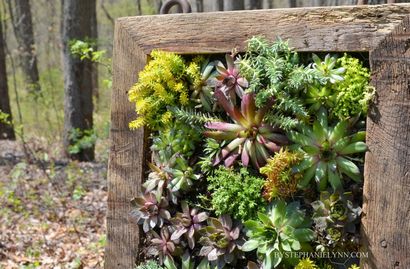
pixel 283 229
pixel 326 152
pixel 281 180
pixel 345 94
pixel 353 93
pixel 162 83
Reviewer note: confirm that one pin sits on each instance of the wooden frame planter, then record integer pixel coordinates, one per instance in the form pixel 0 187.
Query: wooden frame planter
pixel 382 30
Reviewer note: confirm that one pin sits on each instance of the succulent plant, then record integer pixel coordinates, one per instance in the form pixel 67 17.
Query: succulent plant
pixel 237 193
pixel 163 83
pixel 326 152
pixel 281 180
pixel 327 68
pixel 335 218
pixel 221 241
pixel 162 246
pixel 149 265
pixel 229 80
pixel 201 70
pixel 178 138
pixel 306 264
pixel 187 262
pixel 284 228
pixel 188 223
pixel 150 211
pixel 318 96
pixel 212 149
pixel 249 137
pixel 157 181
pixel 182 176
pixel 353 93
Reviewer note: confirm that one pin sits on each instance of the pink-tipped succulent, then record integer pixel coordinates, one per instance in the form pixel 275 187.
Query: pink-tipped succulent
pixel 188 223
pixel 229 80
pixel 162 245
pixel 222 241
pixel 249 137
pixel 150 211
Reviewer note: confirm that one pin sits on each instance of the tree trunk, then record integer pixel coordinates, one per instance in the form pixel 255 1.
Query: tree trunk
pixel 234 5
pixel 23 29
pixel 158 5
pixel 6 130
pixel 78 79
pixel 267 4
pixel 292 3
pixel 199 5
pixel 253 4
pixel 94 37
pixel 139 10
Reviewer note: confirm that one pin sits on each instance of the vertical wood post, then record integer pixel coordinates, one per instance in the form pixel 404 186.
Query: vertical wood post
pixel 386 223
pixel 127 155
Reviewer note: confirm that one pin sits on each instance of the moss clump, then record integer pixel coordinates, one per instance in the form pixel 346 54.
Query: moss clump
pixel 236 193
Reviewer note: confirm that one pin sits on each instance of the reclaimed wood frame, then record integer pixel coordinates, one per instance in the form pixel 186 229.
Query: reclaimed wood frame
pixel 382 30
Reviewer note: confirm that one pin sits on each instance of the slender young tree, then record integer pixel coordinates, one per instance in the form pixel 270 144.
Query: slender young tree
pixel 6 130
pixel 199 5
pixel 253 4
pixel 234 5
pixel 20 12
pixel 78 78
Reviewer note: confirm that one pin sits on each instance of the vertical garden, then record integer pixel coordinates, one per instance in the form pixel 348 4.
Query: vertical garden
pixel 257 158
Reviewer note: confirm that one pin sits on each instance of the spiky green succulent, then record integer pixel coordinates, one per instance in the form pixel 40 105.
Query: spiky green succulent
pixel 188 223
pixel 249 137
pixel 183 176
pixel 318 96
pixel 179 138
pixel 221 242
pixel 202 70
pixel 327 152
pixel 284 228
pixel 327 69
pixel 335 217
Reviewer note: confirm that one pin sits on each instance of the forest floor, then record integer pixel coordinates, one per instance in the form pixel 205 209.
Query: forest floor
pixel 52 212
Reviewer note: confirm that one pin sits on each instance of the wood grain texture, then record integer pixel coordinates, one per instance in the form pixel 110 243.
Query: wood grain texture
pixel 127 155
pixel 312 29
pixel 386 223
pixel 355 28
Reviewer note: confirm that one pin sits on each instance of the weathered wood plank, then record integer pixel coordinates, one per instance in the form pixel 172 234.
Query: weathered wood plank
pixel 386 223
pixel 354 28
pixel 127 155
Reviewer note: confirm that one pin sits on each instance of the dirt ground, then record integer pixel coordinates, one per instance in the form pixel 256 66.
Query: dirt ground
pixel 52 212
